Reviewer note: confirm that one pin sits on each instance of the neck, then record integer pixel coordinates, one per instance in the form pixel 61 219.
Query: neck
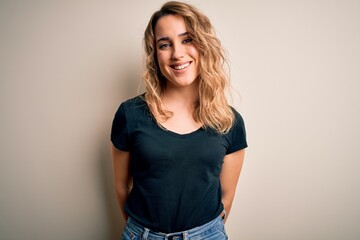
pixel 180 97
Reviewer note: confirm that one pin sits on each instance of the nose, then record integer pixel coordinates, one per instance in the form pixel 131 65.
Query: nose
pixel 178 51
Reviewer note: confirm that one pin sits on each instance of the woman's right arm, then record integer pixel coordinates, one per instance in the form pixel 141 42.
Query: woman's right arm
pixel 122 177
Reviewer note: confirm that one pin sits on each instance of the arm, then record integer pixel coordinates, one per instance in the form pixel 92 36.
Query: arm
pixel 229 176
pixel 122 177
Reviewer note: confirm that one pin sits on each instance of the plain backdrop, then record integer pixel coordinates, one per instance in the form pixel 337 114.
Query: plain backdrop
pixel 65 66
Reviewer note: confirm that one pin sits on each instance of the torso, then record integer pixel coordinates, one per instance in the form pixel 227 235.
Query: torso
pixel 176 172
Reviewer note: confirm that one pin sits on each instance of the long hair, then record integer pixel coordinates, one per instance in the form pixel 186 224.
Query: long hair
pixel 211 108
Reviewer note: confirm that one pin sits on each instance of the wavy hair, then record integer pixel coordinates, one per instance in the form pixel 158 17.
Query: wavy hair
pixel 211 108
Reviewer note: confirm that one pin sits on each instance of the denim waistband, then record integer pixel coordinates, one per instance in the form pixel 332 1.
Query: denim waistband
pixel 146 233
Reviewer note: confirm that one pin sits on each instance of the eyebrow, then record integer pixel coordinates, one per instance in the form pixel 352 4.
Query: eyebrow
pixel 167 38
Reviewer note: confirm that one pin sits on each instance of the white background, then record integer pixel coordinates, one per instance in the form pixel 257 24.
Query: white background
pixel 65 66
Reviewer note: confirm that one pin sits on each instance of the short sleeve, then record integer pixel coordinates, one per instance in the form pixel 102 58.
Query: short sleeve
pixel 119 130
pixel 237 135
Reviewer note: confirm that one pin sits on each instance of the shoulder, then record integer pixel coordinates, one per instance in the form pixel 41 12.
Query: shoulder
pixel 134 109
pixel 138 101
pixel 236 137
pixel 238 119
pixel 133 105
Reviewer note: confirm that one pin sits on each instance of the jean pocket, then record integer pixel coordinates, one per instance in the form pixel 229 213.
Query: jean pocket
pixel 129 235
pixel 221 228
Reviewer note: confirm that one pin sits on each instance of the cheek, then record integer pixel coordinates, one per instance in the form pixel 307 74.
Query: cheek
pixel 161 63
pixel 193 52
pixel 161 58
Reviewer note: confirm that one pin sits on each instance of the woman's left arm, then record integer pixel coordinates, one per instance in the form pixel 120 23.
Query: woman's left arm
pixel 229 176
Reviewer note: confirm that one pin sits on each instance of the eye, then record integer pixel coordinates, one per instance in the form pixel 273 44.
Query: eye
pixel 187 40
pixel 165 45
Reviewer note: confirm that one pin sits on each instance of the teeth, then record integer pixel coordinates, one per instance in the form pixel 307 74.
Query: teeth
pixel 181 66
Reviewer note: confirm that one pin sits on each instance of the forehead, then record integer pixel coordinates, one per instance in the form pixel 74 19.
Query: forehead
pixel 170 26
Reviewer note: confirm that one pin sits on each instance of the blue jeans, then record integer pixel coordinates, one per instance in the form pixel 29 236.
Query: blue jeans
pixel 213 230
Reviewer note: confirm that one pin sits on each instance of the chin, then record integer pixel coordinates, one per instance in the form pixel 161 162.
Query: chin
pixel 183 82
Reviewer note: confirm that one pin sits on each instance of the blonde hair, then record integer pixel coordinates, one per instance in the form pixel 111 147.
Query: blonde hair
pixel 211 108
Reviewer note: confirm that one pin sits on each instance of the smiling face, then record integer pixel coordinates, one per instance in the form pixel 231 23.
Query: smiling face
pixel 177 56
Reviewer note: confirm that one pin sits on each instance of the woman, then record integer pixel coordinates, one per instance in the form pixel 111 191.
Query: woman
pixel 180 144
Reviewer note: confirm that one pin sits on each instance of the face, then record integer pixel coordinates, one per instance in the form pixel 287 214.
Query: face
pixel 177 56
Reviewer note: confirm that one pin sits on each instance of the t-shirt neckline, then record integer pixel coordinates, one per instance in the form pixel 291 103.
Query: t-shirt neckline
pixel 164 129
pixel 161 127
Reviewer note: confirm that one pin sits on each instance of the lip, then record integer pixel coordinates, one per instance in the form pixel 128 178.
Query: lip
pixel 181 64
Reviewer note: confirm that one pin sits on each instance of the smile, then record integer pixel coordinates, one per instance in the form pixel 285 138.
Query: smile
pixel 182 66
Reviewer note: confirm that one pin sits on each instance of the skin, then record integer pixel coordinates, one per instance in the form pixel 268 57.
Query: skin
pixel 122 177
pixel 174 48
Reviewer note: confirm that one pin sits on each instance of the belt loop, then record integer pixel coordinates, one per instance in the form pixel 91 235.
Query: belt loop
pixel 185 235
pixel 145 234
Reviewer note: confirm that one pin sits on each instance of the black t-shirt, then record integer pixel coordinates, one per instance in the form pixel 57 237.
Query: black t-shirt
pixel 176 183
